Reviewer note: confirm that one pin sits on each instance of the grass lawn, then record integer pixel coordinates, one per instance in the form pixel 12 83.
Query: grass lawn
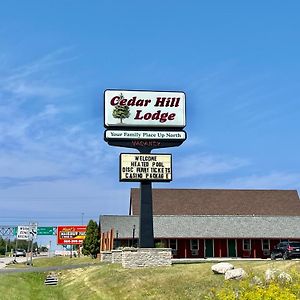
pixel 107 281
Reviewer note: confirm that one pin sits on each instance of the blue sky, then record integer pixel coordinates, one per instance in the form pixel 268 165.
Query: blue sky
pixel 237 62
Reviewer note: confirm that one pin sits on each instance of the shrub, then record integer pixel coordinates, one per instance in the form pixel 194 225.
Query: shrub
pixel 247 290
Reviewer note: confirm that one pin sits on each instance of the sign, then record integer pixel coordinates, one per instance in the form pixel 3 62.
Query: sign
pixel 144 135
pixel 141 167
pixel 46 230
pixel 32 231
pixel 70 235
pixel 124 108
pixel 23 232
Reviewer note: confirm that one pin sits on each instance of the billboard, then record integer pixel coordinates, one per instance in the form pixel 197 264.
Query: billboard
pixel 140 167
pixel 70 234
pixel 127 108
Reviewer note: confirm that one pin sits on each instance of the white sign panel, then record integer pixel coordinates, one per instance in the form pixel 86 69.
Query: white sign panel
pixel 144 135
pixel 32 231
pixel 23 232
pixel 144 109
pixel 140 167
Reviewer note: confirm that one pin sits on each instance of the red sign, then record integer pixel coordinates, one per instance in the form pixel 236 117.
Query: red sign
pixel 70 235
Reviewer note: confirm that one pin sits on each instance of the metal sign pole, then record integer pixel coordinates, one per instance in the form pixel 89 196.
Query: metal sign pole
pixel 146 216
pixel 146 235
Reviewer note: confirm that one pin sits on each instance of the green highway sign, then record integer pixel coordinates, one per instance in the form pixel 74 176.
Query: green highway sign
pixel 46 231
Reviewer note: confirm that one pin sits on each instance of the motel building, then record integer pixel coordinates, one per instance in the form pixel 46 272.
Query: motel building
pixel 204 223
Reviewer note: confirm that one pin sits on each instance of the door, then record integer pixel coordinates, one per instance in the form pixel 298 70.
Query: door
pixel 209 248
pixel 231 248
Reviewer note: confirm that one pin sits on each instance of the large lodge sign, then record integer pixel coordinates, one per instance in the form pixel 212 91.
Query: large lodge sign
pixel 144 120
pixel 124 108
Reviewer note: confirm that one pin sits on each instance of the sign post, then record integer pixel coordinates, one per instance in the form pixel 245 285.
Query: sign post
pixel 144 120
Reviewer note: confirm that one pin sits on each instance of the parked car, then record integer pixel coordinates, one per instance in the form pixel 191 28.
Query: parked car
pixel 286 250
pixel 20 252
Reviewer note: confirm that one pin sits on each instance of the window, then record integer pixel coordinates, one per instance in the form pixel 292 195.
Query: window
pixel 265 244
pixel 247 244
pixel 194 244
pixel 173 244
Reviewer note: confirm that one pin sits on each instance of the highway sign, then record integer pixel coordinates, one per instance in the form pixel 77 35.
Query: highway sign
pixel 33 230
pixel 23 232
pixel 46 230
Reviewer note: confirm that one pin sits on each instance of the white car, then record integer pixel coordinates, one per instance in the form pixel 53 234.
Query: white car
pixel 20 252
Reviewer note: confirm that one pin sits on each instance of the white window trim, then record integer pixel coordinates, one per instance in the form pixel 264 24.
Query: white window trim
pixel 176 244
pixel 191 244
pixel 262 244
pixel 244 245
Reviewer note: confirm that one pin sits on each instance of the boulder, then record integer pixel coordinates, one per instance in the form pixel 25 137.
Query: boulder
pixel 235 274
pixel 221 268
pixel 285 277
pixel 271 274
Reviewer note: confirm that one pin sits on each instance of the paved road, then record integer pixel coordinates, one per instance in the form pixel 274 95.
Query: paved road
pixel 45 269
pixel 6 260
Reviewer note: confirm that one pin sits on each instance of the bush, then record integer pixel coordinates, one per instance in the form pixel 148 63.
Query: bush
pixel 2 250
pixel 247 290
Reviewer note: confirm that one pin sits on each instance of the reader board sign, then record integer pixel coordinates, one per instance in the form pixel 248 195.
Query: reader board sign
pixel 70 235
pixel 23 232
pixel 140 167
pixel 127 108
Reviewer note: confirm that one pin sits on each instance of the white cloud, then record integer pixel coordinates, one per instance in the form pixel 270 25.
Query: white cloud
pixel 273 180
pixel 206 164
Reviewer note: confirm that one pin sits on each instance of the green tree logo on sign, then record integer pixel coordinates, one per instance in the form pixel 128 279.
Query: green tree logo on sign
pixel 121 111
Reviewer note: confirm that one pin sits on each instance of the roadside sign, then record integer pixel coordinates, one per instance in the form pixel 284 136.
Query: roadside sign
pixel 128 108
pixel 141 167
pixel 23 232
pixel 70 235
pixel 32 231
pixel 15 230
pixel 46 231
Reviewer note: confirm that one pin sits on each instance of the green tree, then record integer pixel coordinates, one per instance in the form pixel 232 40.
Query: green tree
pixel 121 111
pixel 91 241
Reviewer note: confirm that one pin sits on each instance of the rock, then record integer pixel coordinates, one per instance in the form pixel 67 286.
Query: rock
pixel 235 274
pixel 256 281
pixel 221 268
pixel 285 277
pixel 271 274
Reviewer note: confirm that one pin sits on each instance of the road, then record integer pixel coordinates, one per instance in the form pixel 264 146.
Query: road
pixel 6 260
pixel 45 269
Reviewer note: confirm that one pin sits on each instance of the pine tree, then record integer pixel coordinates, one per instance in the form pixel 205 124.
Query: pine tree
pixel 91 241
pixel 121 111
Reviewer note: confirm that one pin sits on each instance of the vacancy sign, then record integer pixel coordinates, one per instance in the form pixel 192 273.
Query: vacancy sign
pixel 124 108
pixel 70 235
pixel 140 167
pixel 23 232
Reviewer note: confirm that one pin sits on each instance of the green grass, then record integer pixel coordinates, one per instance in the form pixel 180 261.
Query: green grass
pixel 107 281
